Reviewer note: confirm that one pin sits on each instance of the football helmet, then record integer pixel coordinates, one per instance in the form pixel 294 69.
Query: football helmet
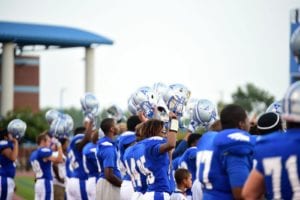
pixel 160 89
pixel 115 112
pixel 145 100
pixel 51 115
pixel 60 128
pixel 90 104
pixel 295 44
pixel 204 113
pixel 131 106
pixel 17 128
pixel 276 107
pixel 69 122
pixel 291 103
pixel 176 98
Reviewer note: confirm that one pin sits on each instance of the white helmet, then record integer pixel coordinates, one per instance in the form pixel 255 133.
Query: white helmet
pixel 17 128
pixel 291 103
pixel 276 107
pixel 90 104
pixel 61 127
pixel 51 115
pixel 295 44
pixel 160 88
pixel 176 98
pixel 131 106
pixel 145 100
pixel 115 112
pixel 204 113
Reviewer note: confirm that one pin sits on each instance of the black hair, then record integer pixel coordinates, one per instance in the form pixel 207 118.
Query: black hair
pixel 232 115
pixel 194 137
pixel 3 133
pixel 79 130
pixel 132 122
pixel 181 174
pixel 106 125
pixel 292 125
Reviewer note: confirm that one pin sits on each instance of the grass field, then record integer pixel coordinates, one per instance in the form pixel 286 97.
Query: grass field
pixel 25 187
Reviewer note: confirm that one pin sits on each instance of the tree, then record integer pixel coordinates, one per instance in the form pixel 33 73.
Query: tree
pixel 252 98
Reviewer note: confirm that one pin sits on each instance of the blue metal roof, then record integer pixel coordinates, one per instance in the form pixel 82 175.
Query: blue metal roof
pixel 37 34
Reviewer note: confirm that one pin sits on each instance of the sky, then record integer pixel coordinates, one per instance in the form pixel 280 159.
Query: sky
pixel 211 46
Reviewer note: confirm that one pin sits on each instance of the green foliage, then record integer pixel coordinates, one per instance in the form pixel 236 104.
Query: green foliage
pixel 252 98
pixel 36 122
pixel 25 187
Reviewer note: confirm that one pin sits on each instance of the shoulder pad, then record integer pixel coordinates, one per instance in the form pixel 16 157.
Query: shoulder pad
pixel 237 142
pixel 106 143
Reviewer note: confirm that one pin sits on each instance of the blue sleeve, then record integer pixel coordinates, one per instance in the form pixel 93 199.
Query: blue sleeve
pixel 154 151
pixel 180 149
pixel 109 158
pixel 3 145
pixel 44 153
pixel 238 169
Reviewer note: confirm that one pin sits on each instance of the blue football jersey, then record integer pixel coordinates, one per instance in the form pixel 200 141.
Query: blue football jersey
pixel 157 164
pixel 221 154
pixel 7 167
pixel 188 161
pixel 74 162
pixel 133 161
pixel 41 167
pixel 278 160
pixel 107 156
pixel 90 161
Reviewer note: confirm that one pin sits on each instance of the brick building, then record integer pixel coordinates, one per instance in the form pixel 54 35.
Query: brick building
pixel 26 82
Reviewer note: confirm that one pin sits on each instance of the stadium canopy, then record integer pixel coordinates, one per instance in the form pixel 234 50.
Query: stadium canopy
pixel 35 34
pixel 15 35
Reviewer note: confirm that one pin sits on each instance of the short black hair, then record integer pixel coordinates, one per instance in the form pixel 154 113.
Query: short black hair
pixel 181 174
pixel 193 138
pixel 232 115
pixel 79 130
pixel 132 122
pixel 3 133
pixel 106 124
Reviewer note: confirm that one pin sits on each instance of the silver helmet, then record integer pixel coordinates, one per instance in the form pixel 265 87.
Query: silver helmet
pixel 51 115
pixel 291 103
pixel 176 98
pixel 204 113
pixel 17 128
pixel 90 104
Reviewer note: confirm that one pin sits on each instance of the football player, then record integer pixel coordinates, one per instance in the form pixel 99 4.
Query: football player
pixel 9 150
pixel 41 161
pixel 110 180
pixel 276 175
pixel 224 158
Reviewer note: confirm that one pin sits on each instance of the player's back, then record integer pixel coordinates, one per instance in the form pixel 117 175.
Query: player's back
pixel 41 167
pixel 107 156
pixel 7 166
pixel 74 163
pixel 158 165
pixel 133 158
pixel 90 160
pixel 278 159
pixel 188 161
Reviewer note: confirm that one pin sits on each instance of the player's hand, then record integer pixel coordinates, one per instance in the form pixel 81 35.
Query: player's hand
pixel 56 142
pixel 172 115
pixel 142 116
